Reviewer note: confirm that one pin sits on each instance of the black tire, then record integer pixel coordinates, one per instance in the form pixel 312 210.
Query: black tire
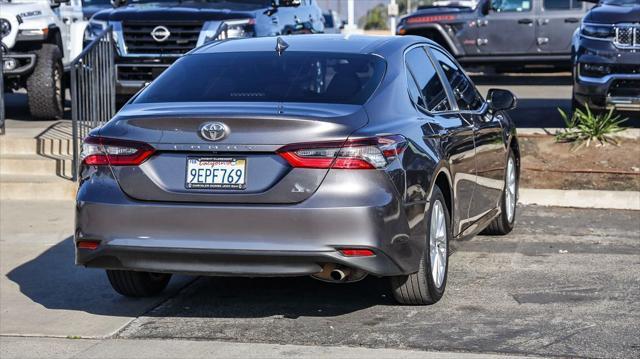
pixel 44 86
pixel 419 288
pixel 137 284
pixel 502 225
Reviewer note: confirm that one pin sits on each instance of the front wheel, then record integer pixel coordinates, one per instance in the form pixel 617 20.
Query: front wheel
pixel 137 284
pixel 427 285
pixel 44 86
pixel 503 224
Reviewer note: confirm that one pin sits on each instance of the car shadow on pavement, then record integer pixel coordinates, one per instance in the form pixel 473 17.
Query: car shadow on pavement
pixel 55 282
pixel 291 298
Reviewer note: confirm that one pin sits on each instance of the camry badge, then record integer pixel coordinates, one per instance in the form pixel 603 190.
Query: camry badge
pixel 214 131
pixel 160 33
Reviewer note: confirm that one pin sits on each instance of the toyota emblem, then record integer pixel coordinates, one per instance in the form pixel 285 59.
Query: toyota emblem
pixel 214 131
pixel 160 33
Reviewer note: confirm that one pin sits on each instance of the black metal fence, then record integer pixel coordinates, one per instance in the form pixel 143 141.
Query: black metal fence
pixel 1 98
pixel 93 88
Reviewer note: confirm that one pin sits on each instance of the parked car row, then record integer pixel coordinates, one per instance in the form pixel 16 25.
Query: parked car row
pixel 152 34
pixel 601 44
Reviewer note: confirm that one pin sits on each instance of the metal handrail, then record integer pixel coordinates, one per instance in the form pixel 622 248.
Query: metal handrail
pixel 1 98
pixel 93 100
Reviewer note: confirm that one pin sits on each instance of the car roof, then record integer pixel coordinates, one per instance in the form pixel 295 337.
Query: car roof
pixel 356 44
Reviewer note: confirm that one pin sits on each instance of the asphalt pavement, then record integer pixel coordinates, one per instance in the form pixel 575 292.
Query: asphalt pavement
pixel 564 283
pixel 540 95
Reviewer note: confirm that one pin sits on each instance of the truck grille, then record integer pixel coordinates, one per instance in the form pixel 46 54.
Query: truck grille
pixel 627 36
pixel 182 37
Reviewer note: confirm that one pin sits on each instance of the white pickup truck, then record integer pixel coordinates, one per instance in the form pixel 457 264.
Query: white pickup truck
pixel 37 44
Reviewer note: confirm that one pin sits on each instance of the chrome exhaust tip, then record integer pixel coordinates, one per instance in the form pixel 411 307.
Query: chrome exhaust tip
pixel 339 274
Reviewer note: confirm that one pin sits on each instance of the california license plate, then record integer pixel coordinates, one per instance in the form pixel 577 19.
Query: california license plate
pixel 216 172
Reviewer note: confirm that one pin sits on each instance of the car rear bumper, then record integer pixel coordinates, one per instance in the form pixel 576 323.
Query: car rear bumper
pixel 249 240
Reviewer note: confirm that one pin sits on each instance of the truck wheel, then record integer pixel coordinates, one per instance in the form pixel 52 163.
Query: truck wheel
pixel 427 285
pixel 137 284
pixel 503 224
pixel 44 86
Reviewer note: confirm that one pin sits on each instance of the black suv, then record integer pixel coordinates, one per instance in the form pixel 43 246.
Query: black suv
pixel 151 34
pixel 606 57
pixel 503 32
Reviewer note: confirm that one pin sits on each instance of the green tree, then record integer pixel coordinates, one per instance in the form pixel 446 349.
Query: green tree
pixel 377 17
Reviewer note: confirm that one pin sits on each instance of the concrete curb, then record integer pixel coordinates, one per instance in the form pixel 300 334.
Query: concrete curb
pixel 629 133
pixel 581 198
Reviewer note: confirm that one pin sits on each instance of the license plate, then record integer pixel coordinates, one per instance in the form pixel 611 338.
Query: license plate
pixel 216 172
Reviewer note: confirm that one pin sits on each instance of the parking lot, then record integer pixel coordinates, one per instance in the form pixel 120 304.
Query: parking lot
pixel 565 283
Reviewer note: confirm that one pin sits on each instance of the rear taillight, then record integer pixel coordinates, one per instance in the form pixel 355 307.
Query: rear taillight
pixel 102 151
pixel 363 153
pixel 356 252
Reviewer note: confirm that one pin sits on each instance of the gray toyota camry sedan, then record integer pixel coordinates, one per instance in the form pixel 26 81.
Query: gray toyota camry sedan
pixel 321 155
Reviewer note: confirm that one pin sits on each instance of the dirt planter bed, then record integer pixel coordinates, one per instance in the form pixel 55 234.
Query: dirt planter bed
pixel 547 164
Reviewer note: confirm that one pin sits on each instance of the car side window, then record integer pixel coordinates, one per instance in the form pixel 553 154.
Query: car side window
pixel 467 96
pixel 414 91
pixel 561 5
pixel 511 5
pixel 434 97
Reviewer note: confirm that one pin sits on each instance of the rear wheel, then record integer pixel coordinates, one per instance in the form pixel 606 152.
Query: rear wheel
pixel 427 285
pixel 138 284
pixel 503 224
pixel 44 85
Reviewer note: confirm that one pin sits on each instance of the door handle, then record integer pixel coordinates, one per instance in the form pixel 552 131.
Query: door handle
pixel 571 20
pixel 525 21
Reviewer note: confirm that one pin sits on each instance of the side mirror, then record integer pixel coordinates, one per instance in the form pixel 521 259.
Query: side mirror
pixel 501 100
pixel 485 7
pixel 118 3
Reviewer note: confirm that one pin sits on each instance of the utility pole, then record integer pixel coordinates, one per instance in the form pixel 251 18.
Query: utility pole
pixel 392 11
pixel 351 17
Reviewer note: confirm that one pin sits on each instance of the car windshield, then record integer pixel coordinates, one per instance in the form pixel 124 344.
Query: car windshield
pixel 621 2
pixel 267 77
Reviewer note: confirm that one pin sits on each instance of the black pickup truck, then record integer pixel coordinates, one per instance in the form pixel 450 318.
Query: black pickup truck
pixel 501 32
pixel 151 34
pixel 606 57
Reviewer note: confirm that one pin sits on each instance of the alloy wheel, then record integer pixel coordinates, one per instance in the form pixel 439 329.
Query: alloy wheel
pixel 510 190
pixel 438 243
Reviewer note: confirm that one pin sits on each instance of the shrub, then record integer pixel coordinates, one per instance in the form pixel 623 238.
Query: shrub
pixel 584 127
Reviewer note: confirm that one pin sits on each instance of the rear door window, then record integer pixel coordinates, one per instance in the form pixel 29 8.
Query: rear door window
pixel 467 96
pixel 511 5
pixel 434 97
pixel 561 4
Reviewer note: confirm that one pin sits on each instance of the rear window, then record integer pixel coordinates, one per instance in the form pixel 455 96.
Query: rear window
pixel 267 77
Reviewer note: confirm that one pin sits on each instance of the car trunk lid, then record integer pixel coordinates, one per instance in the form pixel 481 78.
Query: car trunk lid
pixel 255 132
